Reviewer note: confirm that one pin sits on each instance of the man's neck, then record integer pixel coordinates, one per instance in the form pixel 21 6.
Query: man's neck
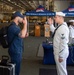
pixel 61 22
pixel 16 22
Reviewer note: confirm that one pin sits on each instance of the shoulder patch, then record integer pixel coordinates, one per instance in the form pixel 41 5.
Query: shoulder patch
pixel 62 36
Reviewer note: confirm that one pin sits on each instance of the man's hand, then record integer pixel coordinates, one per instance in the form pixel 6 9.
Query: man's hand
pixel 60 60
pixel 27 34
pixel 50 21
pixel 24 29
pixel 25 21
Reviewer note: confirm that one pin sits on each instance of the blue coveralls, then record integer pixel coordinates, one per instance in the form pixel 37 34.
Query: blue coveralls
pixel 16 46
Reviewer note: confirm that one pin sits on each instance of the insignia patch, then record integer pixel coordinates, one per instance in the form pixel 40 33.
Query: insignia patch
pixel 62 34
pixel 62 37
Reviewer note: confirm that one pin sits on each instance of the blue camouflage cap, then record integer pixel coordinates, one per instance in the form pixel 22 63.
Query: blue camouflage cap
pixel 17 13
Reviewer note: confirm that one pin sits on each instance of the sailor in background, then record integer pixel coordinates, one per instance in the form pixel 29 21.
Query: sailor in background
pixel 60 42
pixel 71 32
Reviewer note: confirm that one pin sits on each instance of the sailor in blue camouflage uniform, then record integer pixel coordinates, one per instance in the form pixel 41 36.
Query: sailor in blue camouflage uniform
pixel 15 39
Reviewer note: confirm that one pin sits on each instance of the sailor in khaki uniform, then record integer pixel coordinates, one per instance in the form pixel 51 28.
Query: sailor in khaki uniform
pixel 71 32
pixel 60 42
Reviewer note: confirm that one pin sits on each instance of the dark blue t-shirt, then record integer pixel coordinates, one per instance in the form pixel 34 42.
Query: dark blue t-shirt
pixel 16 45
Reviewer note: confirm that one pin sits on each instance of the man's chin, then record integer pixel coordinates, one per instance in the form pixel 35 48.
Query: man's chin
pixel 20 22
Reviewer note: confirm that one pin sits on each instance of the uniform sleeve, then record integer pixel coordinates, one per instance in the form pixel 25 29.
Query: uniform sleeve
pixel 64 39
pixel 52 28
